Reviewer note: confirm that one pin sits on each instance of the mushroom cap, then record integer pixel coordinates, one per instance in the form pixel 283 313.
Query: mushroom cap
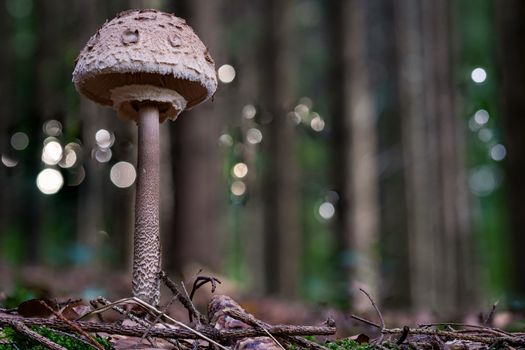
pixel 149 48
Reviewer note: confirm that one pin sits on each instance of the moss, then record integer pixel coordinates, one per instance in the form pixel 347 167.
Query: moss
pixel 10 339
pixel 346 344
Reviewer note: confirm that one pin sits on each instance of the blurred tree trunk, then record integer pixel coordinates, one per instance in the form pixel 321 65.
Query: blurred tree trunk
pixel 6 111
pixel 434 160
pixel 248 240
pixel 281 218
pixel 511 51
pixel 361 224
pixel 395 282
pixel 198 226
pixel 91 209
pixel 100 198
pixel 335 37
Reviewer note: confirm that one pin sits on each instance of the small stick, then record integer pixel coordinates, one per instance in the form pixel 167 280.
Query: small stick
pixel 251 320
pixel 454 335
pixel 121 311
pixel 134 318
pixel 375 307
pixel 202 280
pixel 186 302
pixel 403 336
pixel 22 328
pixel 490 316
pixel 382 325
pixel 370 323
pixel 481 328
pixel 157 318
pixel 73 326
pixel 194 309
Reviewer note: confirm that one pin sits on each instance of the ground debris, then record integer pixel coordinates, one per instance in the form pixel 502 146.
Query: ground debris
pixel 227 325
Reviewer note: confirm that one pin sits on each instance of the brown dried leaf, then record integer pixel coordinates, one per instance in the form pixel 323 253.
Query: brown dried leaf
pixel 35 308
pixel 360 338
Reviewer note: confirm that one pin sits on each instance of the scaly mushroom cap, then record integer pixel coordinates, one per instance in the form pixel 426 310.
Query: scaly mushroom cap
pixel 147 55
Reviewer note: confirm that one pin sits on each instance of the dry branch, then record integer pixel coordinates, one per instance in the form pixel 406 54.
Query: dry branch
pixel 137 331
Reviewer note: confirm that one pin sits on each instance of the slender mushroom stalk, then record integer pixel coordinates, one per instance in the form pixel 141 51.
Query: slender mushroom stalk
pixel 149 66
pixel 146 255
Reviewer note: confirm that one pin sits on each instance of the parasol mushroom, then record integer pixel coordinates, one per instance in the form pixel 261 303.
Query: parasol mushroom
pixel 149 66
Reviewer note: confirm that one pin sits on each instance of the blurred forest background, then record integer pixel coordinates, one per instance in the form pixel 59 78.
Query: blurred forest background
pixel 352 143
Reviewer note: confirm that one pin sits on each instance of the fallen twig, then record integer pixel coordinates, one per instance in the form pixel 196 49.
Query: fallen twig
pixel 381 320
pixel 154 312
pixel 360 319
pixel 479 328
pixel 490 316
pixel 382 324
pixel 137 331
pixel 487 339
pixel 184 300
pixel 201 281
pixel 251 320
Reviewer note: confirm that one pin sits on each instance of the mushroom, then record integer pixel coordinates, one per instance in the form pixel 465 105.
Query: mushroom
pixel 149 66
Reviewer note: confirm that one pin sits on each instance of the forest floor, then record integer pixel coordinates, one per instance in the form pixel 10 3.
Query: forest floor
pixel 31 318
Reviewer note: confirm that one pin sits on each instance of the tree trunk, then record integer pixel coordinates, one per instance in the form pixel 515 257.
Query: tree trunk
pixel 511 30
pixel 360 166
pixel 395 281
pixel 281 218
pixel 434 160
pixel 199 188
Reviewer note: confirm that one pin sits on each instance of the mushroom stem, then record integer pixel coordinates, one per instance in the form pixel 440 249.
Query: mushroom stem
pixel 146 241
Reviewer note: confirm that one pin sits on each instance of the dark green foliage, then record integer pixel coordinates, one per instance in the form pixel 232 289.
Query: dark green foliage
pixel 13 340
pixel 18 295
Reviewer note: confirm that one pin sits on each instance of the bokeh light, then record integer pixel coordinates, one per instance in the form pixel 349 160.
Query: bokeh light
pixel 240 170
pixel 249 111
pixel 254 136
pixel 49 181
pixel 483 180
pixel 498 152
pixel 52 128
pixel 104 138
pixel 302 110
pixel 123 174
pixel 52 152
pixel 102 155
pixel 70 156
pixel 19 141
pixel 478 75
pixel 326 210
pixel 9 161
pixel 226 140
pixel 481 117
pixel 226 73
pixel 485 134
pixel 317 123
pixel 238 188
